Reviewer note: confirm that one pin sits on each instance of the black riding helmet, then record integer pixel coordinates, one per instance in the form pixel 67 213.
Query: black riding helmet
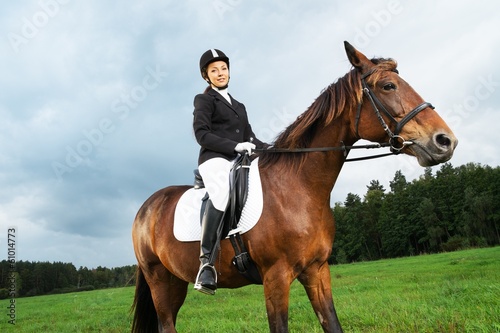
pixel 210 56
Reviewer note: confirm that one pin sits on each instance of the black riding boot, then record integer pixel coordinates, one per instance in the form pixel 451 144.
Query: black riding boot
pixel 206 280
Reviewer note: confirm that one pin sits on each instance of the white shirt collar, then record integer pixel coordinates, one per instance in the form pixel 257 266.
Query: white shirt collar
pixel 224 94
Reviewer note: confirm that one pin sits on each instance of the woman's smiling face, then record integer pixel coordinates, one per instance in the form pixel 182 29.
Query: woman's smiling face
pixel 218 74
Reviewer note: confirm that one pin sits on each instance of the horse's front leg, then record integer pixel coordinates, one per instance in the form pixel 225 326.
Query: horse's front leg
pixel 277 292
pixel 317 283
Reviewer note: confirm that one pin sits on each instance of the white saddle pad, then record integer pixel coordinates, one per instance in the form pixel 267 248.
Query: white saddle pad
pixel 187 226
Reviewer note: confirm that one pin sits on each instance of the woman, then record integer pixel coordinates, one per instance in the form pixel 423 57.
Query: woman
pixel 222 129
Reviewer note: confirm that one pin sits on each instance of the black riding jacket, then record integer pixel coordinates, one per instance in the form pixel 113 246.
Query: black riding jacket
pixel 219 126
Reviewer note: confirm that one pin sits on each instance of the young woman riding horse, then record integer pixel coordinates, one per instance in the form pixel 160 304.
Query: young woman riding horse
pixel 222 129
pixel 294 235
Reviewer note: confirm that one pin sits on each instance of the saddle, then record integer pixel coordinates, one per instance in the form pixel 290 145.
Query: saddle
pixel 238 192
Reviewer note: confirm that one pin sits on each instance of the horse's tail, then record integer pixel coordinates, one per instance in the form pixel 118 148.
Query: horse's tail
pixel 145 317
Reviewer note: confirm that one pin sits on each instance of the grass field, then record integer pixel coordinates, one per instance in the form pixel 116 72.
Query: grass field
pixel 449 292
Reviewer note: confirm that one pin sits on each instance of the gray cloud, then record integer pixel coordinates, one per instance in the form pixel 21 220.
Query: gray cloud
pixel 96 101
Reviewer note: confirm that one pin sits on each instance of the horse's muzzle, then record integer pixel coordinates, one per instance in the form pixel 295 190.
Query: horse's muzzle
pixel 438 149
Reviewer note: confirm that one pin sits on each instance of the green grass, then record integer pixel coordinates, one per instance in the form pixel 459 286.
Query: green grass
pixel 452 292
pixel 449 292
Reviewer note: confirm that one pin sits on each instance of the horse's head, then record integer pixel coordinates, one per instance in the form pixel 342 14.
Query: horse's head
pixel 391 111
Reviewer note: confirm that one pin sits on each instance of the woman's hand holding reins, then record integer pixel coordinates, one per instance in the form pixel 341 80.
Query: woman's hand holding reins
pixel 244 146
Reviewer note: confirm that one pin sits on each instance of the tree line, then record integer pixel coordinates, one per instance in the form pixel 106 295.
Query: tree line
pixel 42 278
pixel 457 208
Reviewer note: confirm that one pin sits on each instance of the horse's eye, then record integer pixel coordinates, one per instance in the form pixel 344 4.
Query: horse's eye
pixel 389 86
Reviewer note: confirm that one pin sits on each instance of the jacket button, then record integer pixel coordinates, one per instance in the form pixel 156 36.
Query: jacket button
pixel 237 131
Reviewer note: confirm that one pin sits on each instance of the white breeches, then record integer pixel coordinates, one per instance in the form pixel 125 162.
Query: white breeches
pixel 215 174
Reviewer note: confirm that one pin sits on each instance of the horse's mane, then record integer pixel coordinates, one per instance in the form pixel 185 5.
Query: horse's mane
pixel 341 95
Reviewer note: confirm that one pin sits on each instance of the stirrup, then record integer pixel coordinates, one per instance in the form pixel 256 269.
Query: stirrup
pixel 198 286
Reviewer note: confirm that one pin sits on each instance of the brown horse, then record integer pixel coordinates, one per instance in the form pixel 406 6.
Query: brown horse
pixel 294 235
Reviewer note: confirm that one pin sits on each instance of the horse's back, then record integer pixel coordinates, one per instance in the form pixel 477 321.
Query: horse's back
pixel 157 201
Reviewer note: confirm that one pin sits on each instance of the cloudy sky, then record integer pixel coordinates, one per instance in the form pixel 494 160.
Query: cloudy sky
pixel 96 98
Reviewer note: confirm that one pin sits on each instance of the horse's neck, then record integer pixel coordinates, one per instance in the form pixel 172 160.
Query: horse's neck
pixel 318 174
pixel 323 168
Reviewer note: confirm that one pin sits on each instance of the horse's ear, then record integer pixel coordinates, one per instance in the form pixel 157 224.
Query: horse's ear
pixel 357 59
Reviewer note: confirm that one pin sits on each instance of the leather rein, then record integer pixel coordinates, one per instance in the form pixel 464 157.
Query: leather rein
pixel 396 142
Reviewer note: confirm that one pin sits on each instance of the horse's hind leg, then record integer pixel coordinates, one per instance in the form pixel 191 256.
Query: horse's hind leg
pixel 168 293
pixel 316 281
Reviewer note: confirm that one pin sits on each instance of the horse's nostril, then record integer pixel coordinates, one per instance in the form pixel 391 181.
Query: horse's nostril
pixel 443 140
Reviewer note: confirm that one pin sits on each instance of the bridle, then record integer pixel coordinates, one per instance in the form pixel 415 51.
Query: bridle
pixel 396 142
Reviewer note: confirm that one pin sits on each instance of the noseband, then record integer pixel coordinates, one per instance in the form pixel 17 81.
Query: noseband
pixel 396 141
